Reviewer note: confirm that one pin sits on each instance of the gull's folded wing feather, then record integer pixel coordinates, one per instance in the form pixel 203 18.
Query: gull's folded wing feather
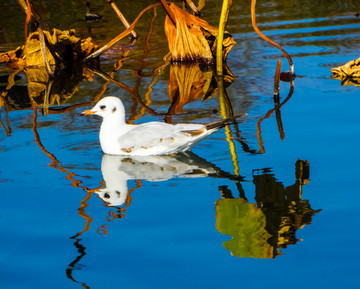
pixel 155 134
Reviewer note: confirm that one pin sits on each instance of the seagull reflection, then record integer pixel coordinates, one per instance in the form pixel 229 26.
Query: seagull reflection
pixel 117 170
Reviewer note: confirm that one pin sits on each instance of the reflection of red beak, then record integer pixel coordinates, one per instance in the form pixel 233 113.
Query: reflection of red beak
pixel 86 112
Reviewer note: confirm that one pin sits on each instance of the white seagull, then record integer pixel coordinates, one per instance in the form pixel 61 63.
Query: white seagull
pixel 150 138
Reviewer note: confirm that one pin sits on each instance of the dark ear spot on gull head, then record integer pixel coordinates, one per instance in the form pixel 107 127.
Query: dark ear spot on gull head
pixel 114 109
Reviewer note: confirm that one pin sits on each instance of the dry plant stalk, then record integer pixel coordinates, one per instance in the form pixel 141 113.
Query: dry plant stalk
pixel 291 64
pixel 277 79
pixel 122 17
pixel 121 35
pixel 193 7
pixel 225 10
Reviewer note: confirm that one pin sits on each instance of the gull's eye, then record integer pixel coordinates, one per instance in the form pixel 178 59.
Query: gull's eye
pixel 102 107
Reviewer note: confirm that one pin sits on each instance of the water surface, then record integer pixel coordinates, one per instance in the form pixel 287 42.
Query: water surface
pixel 258 209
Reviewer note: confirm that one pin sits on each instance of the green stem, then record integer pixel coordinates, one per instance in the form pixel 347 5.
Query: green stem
pixel 220 38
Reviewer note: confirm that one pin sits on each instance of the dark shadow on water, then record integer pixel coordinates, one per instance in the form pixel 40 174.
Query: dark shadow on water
pixel 260 229
pixel 75 265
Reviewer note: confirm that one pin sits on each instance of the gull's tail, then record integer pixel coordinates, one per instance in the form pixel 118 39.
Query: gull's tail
pixel 215 125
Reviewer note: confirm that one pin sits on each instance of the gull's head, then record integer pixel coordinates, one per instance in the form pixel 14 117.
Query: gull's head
pixel 109 107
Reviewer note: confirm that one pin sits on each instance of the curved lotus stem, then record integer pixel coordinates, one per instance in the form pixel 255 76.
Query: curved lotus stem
pixel 253 21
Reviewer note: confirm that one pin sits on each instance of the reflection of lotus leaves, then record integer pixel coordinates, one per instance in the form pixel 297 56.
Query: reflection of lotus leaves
pixel 347 80
pixel 70 49
pixel 117 170
pixel 246 224
pixel 58 40
pixel 187 83
pixel 61 89
pixel 348 73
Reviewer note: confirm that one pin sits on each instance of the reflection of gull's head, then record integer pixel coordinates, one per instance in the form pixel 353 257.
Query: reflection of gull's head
pixel 116 189
pixel 117 170
pixel 112 196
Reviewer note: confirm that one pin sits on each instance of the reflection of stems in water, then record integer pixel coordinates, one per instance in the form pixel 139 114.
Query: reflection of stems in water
pixel 277 100
pixel 7 129
pixel 220 37
pixel 72 107
pixel 149 88
pixel 121 35
pixel 279 121
pixel 45 110
pixel 147 95
pixel 226 111
pixel 75 183
pixel 37 137
pixel 253 20
pixel 125 87
pixel 69 270
pixel 103 229
pixel 11 83
pixel 43 52
pixel 134 115
pixel 119 64
pixel 108 78
pixel 3 126
pixel 54 162
pixel 81 210
pixel 225 192
pixel 148 36
pixel 269 113
pixel 277 79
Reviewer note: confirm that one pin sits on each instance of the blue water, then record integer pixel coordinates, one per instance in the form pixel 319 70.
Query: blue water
pixel 57 231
